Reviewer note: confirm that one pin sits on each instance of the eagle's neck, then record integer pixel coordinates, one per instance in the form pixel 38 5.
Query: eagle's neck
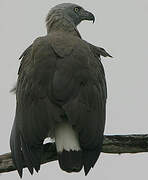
pixel 61 24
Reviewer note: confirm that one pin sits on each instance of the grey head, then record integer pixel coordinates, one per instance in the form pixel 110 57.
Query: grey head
pixel 71 12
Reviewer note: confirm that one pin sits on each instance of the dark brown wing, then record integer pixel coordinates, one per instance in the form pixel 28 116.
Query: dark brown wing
pixel 79 86
pixel 35 114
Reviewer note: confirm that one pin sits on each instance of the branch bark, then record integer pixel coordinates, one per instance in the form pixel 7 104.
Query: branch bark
pixel 116 144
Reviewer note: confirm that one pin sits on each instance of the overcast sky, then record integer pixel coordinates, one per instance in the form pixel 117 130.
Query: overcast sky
pixel 121 28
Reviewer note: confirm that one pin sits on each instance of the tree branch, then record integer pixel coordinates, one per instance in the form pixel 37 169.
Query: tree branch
pixel 115 144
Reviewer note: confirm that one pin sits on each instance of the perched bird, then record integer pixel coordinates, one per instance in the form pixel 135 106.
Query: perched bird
pixel 61 93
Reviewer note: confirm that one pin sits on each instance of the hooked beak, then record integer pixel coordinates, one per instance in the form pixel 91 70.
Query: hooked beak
pixel 88 16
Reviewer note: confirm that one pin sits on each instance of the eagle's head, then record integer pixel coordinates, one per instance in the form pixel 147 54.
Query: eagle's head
pixel 73 13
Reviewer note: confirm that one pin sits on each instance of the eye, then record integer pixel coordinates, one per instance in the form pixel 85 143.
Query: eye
pixel 77 9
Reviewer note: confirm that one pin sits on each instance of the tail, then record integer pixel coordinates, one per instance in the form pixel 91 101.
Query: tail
pixel 68 148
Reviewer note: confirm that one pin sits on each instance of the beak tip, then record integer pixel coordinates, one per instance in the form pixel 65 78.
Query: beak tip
pixel 89 16
pixel 93 18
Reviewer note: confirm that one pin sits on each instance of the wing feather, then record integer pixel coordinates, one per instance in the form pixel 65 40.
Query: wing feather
pixel 35 113
pixel 51 86
pixel 81 87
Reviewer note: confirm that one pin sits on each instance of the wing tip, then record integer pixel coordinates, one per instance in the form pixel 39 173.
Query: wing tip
pixel 22 156
pixel 89 159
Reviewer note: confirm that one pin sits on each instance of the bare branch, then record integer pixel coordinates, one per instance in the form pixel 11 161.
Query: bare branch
pixel 115 144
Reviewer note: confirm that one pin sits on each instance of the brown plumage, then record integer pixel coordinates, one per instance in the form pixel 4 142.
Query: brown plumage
pixel 61 85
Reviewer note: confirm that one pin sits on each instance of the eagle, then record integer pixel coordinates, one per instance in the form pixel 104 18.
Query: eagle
pixel 61 93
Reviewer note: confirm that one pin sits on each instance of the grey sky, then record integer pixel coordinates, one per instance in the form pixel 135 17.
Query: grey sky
pixel 121 28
